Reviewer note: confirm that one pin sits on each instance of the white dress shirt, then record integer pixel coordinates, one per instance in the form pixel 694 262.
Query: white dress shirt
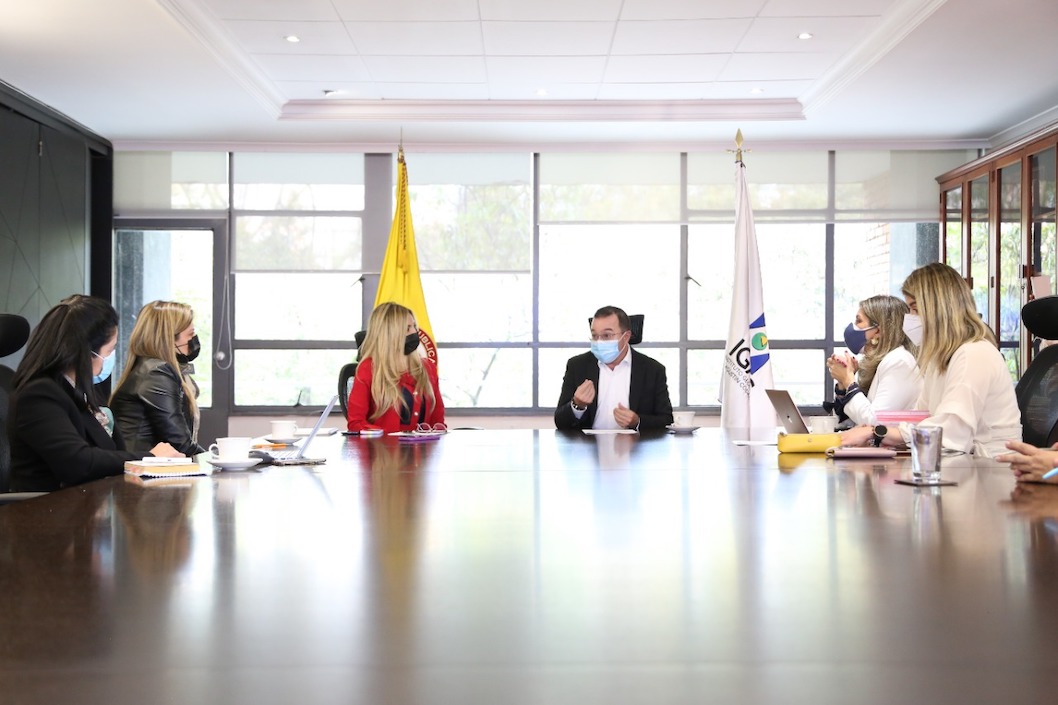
pixel 613 390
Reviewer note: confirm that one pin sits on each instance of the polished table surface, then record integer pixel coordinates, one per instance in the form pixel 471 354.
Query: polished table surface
pixel 542 567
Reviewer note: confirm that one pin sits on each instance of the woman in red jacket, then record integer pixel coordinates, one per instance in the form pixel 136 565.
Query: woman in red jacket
pixel 395 388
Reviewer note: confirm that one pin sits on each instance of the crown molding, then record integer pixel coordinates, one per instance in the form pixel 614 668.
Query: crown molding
pixel 893 29
pixel 1037 123
pixel 204 27
pixel 544 146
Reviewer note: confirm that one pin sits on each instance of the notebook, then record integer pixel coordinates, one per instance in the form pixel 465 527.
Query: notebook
pixel 789 414
pixel 165 467
pixel 296 456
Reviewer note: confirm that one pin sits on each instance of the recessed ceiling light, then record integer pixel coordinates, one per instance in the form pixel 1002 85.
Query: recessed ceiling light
pixel 330 91
pixel 756 90
pixel 292 38
pixel 804 35
pixel 541 92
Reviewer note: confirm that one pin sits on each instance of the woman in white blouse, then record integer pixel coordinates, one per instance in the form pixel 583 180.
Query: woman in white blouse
pixel 966 386
pixel 886 377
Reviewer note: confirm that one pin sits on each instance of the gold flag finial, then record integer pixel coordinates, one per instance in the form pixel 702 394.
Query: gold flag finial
pixel 738 147
pixel 400 148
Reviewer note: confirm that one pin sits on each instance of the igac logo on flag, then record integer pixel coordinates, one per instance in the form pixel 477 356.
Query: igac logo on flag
pixel 748 356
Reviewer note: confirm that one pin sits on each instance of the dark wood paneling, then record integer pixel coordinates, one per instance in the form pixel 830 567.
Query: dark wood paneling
pixel 63 216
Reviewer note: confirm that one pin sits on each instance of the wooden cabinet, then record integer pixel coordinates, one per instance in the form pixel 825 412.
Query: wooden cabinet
pixel 998 220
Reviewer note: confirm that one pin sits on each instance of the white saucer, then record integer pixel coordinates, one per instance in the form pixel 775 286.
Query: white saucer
pixel 284 441
pixel 234 464
pixel 682 430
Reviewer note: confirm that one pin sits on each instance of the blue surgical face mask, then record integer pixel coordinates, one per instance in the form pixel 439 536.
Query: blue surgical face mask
pixel 855 339
pixel 605 351
pixel 108 366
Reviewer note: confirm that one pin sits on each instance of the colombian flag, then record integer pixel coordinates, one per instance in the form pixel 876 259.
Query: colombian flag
pixel 400 281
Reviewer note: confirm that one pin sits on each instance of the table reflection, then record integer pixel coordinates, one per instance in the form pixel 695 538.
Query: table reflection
pixel 56 582
pixel 536 566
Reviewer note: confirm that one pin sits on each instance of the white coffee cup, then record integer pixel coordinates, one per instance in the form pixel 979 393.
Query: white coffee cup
pixel 284 428
pixel 822 424
pixel 682 419
pixel 232 448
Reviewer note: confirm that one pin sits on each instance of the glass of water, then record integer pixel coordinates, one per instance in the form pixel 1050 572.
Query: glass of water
pixel 925 453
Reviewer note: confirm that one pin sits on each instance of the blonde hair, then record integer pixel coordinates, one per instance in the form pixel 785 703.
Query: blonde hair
pixel 154 335
pixel 386 330
pixel 949 315
pixel 886 312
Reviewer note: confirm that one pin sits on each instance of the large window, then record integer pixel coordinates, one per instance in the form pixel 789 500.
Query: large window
pixel 296 268
pixel 517 251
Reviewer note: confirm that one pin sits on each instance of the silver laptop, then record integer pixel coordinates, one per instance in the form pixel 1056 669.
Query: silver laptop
pixel 296 456
pixel 789 414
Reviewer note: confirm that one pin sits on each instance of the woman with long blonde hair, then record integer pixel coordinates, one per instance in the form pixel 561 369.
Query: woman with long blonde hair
pixel 886 377
pixel 966 386
pixel 395 388
pixel 156 398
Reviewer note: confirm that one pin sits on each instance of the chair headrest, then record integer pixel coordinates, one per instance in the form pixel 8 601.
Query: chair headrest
pixel 635 322
pixel 358 338
pixel 1040 317
pixel 14 332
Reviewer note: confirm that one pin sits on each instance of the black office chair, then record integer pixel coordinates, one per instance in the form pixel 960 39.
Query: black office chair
pixel 346 374
pixel 14 332
pixel 1037 390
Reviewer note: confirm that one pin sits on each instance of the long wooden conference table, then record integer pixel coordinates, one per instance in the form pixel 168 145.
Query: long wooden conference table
pixel 532 567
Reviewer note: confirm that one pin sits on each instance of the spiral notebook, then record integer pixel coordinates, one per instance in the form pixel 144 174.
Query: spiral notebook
pixel 165 467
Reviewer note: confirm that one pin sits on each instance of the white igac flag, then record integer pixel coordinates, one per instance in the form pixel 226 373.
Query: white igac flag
pixel 746 412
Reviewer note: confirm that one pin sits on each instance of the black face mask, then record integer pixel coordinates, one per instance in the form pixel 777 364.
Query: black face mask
pixel 411 343
pixel 193 349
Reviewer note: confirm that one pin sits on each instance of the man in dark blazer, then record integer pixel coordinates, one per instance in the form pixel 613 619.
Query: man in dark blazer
pixel 633 391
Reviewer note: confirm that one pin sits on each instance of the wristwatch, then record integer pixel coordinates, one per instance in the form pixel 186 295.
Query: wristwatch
pixel 879 435
pixel 577 408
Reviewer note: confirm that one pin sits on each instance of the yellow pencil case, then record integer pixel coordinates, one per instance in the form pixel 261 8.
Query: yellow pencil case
pixel 808 442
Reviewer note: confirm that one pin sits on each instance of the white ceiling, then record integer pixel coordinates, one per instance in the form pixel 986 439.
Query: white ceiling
pixel 467 74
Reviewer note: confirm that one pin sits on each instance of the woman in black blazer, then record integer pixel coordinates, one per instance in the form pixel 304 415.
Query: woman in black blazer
pixel 59 435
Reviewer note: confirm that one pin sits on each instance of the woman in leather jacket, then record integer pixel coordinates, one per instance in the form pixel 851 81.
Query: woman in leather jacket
pixel 155 399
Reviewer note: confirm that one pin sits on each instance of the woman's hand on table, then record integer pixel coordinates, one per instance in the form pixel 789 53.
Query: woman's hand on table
pixel 164 450
pixel 857 436
pixel 1030 463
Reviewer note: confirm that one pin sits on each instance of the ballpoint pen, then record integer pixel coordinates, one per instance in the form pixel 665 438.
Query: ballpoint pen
pixel 1050 473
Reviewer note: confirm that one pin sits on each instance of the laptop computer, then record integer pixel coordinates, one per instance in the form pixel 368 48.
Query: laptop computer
pixel 296 456
pixel 789 414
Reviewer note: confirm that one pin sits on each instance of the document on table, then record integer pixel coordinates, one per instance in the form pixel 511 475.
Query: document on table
pixel 607 431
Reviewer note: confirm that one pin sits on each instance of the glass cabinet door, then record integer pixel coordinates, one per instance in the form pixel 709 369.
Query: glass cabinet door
pixel 979 244
pixel 1010 280
pixel 953 229
pixel 1042 247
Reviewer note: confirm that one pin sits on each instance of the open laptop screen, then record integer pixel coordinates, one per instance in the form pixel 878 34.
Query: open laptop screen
pixel 789 414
